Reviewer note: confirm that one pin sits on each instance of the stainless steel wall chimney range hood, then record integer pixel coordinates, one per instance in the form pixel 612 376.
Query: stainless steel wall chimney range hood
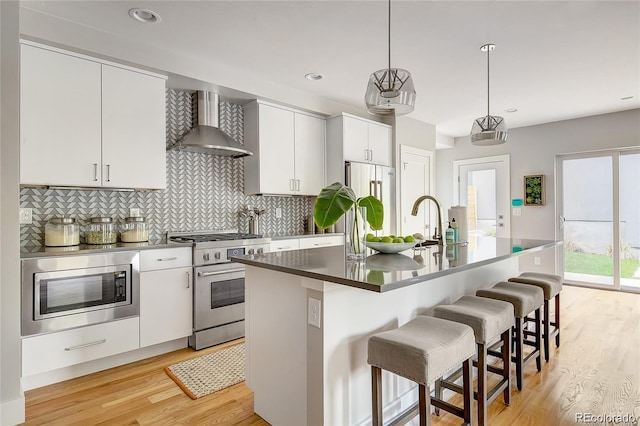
pixel 207 136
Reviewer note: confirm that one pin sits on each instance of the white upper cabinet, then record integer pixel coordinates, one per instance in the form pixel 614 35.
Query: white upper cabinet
pixel 60 119
pixel 88 123
pixel 133 129
pixel 361 140
pixel 309 154
pixel 288 151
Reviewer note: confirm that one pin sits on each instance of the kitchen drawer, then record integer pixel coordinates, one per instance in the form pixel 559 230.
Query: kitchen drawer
pixel 155 259
pixel 284 245
pixel 324 241
pixel 62 349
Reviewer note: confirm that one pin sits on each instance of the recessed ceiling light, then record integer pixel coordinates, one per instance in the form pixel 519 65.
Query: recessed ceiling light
pixel 313 76
pixel 511 110
pixel 144 15
pixel 626 98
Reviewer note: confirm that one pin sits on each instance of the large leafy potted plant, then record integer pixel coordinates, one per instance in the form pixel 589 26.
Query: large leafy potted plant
pixel 337 199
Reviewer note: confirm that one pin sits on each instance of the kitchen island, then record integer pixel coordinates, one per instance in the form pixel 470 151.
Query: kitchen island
pixel 309 314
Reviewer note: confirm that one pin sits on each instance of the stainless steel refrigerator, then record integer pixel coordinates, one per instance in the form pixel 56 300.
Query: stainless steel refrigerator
pixel 379 181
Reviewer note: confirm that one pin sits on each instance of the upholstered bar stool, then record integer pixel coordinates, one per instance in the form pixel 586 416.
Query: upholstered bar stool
pixel 491 321
pixel 551 285
pixel 423 350
pixel 525 299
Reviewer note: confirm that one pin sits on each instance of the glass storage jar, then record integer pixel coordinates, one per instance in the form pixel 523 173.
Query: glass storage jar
pixel 61 231
pixel 134 230
pixel 101 230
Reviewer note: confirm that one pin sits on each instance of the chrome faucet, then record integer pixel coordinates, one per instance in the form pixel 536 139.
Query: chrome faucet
pixel 437 233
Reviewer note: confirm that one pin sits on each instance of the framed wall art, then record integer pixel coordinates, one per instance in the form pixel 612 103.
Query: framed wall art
pixel 534 190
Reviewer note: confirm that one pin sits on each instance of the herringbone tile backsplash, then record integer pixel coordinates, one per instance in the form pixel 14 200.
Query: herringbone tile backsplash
pixel 203 192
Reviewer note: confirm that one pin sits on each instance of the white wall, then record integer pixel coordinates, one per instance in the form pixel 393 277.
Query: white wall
pixel 409 132
pixel 532 151
pixel 11 395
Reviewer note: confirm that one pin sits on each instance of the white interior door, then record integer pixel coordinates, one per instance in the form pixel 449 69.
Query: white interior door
pixel 416 177
pixel 482 185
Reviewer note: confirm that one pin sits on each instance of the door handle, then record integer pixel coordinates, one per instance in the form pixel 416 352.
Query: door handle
pixel 108 172
pixel 188 279
pixel 370 155
pixel 85 345
pixel 297 184
pixel 95 172
pixel 291 185
pixel 166 259
pixel 322 244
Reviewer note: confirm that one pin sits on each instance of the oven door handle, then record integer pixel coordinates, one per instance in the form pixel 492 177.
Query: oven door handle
pixel 228 271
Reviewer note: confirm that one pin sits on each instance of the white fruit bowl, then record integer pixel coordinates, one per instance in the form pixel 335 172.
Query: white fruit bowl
pixel 390 248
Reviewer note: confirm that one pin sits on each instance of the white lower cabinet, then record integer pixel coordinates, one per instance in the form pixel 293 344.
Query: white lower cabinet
pixel 166 295
pixel 307 242
pixel 324 241
pixel 56 350
pixel 285 245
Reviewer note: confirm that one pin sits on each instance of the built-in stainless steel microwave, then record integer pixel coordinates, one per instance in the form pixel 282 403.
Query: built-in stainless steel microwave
pixel 71 291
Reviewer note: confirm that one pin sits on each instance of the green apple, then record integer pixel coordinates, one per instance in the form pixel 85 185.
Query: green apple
pixel 386 240
pixel 409 239
pixel 398 240
pixel 371 238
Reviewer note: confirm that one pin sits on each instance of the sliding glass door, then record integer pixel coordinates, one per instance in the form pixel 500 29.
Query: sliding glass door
pixel 599 211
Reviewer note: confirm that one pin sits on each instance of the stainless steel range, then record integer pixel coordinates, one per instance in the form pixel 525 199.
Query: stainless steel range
pixel 218 298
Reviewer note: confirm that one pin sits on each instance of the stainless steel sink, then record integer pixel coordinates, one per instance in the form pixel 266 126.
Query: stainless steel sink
pixel 427 243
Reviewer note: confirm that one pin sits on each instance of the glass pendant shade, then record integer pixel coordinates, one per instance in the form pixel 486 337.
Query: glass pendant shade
pixel 488 130
pixel 390 92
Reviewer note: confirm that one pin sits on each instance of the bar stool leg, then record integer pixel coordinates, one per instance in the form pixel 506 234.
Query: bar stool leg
pixel 425 405
pixel 438 394
pixel 519 353
pixel 506 365
pixel 482 384
pixel 538 339
pixel 376 392
pixel 546 330
pixel 558 320
pixel 467 389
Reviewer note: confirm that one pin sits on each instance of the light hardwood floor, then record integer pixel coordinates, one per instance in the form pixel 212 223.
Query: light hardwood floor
pixel 596 370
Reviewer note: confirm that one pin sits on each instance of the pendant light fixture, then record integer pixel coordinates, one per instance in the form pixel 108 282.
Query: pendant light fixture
pixel 390 91
pixel 490 129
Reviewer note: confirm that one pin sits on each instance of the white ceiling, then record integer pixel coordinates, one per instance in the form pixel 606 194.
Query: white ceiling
pixel 554 60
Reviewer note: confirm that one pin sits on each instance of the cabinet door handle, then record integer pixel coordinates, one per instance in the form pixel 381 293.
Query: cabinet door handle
pixel 166 259
pixel 366 154
pixel 95 172
pixel 370 155
pixel 291 185
pixel 297 184
pixel 283 248
pixel 322 244
pixel 108 172
pixel 188 279
pixel 86 345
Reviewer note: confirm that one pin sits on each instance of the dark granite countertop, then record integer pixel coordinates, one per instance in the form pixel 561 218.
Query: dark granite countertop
pixel 384 272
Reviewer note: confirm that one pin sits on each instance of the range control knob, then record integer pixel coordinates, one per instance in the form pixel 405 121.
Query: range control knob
pixel 260 250
pixel 217 255
pixel 205 256
pixel 251 251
